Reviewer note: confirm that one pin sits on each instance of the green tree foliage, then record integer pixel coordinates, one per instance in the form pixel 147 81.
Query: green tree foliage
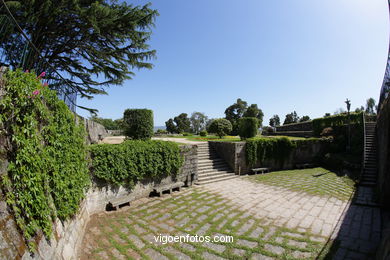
pixel 183 123
pixel 254 111
pixel 370 106
pixel 248 127
pixel 291 118
pixel 47 173
pixel 274 121
pixel 304 119
pixel 240 109
pixel 170 126
pixel 96 42
pixel 108 123
pixel 220 127
pixel 135 160
pixel 198 122
pixel 138 123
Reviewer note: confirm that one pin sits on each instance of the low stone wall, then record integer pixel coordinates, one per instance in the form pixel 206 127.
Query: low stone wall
pixel 305 134
pixel 234 155
pixel 67 236
pixel 304 126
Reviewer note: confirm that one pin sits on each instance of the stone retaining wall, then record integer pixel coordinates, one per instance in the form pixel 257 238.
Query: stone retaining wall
pixel 234 155
pixel 68 236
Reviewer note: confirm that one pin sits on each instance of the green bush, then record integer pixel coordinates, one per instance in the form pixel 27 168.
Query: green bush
pixel 138 123
pixel 161 132
pixel 260 149
pixel 338 120
pixel 135 160
pixel 220 127
pixel 248 127
pixel 203 133
pixel 186 134
pixel 47 173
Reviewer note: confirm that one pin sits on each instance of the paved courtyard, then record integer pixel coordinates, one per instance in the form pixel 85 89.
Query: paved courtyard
pixel 265 221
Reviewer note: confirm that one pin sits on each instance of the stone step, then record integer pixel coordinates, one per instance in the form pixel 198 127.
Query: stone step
pixel 213 170
pixel 211 166
pixel 201 176
pixel 368 183
pixel 222 178
pixel 210 162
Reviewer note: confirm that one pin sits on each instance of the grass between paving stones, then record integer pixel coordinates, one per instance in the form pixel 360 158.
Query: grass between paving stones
pixel 190 212
pixel 315 181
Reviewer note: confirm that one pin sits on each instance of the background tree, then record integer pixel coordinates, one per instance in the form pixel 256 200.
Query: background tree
pixel 359 109
pixel 254 111
pixel 274 121
pixel 327 114
pixel 108 123
pixel 183 123
pixel 170 126
pixel 291 118
pixel 304 119
pixel 95 43
pixel 370 106
pixel 235 112
pixel 220 127
pixel 198 122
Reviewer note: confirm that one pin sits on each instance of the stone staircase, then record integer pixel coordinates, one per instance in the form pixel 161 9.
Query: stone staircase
pixel 211 168
pixel 365 194
pixel 370 171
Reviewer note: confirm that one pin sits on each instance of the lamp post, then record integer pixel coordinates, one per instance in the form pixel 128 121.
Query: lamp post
pixel 348 102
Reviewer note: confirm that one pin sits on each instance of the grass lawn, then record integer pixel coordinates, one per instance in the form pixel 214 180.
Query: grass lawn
pixel 316 181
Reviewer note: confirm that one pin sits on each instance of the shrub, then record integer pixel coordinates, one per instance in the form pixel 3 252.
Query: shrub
pixel 337 120
pixel 220 127
pixel 135 160
pixel 203 133
pixel 328 131
pixel 266 130
pixel 47 173
pixel 248 127
pixel 138 123
pixel 161 132
pixel 186 134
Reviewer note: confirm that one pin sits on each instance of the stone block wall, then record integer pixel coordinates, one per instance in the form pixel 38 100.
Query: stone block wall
pixel 96 132
pixel 68 235
pixel 234 154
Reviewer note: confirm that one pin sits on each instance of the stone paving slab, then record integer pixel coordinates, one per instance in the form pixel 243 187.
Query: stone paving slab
pixel 266 222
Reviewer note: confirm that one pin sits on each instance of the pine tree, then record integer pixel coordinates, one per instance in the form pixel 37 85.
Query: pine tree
pixel 96 43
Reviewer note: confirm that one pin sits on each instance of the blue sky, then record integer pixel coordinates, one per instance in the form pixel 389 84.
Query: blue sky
pixel 302 55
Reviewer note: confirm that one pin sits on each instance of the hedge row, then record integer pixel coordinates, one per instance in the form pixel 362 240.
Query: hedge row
pixel 248 127
pixel 337 120
pixel 135 160
pixel 260 149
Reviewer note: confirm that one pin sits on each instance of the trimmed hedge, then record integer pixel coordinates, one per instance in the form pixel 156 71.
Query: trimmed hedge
pixel 337 120
pixel 138 123
pixel 220 127
pixel 135 160
pixel 248 127
pixel 260 149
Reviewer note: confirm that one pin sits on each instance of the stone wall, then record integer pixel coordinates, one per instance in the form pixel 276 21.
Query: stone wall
pixel 305 134
pixel 67 236
pixel 304 126
pixel 96 132
pixel 383 140
pixel 234 154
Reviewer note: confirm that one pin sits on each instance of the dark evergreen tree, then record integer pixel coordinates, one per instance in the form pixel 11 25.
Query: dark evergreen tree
pixel 274 121
pixel 254 111
pixel 170 126
pixel 96 43
pixel 183 123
